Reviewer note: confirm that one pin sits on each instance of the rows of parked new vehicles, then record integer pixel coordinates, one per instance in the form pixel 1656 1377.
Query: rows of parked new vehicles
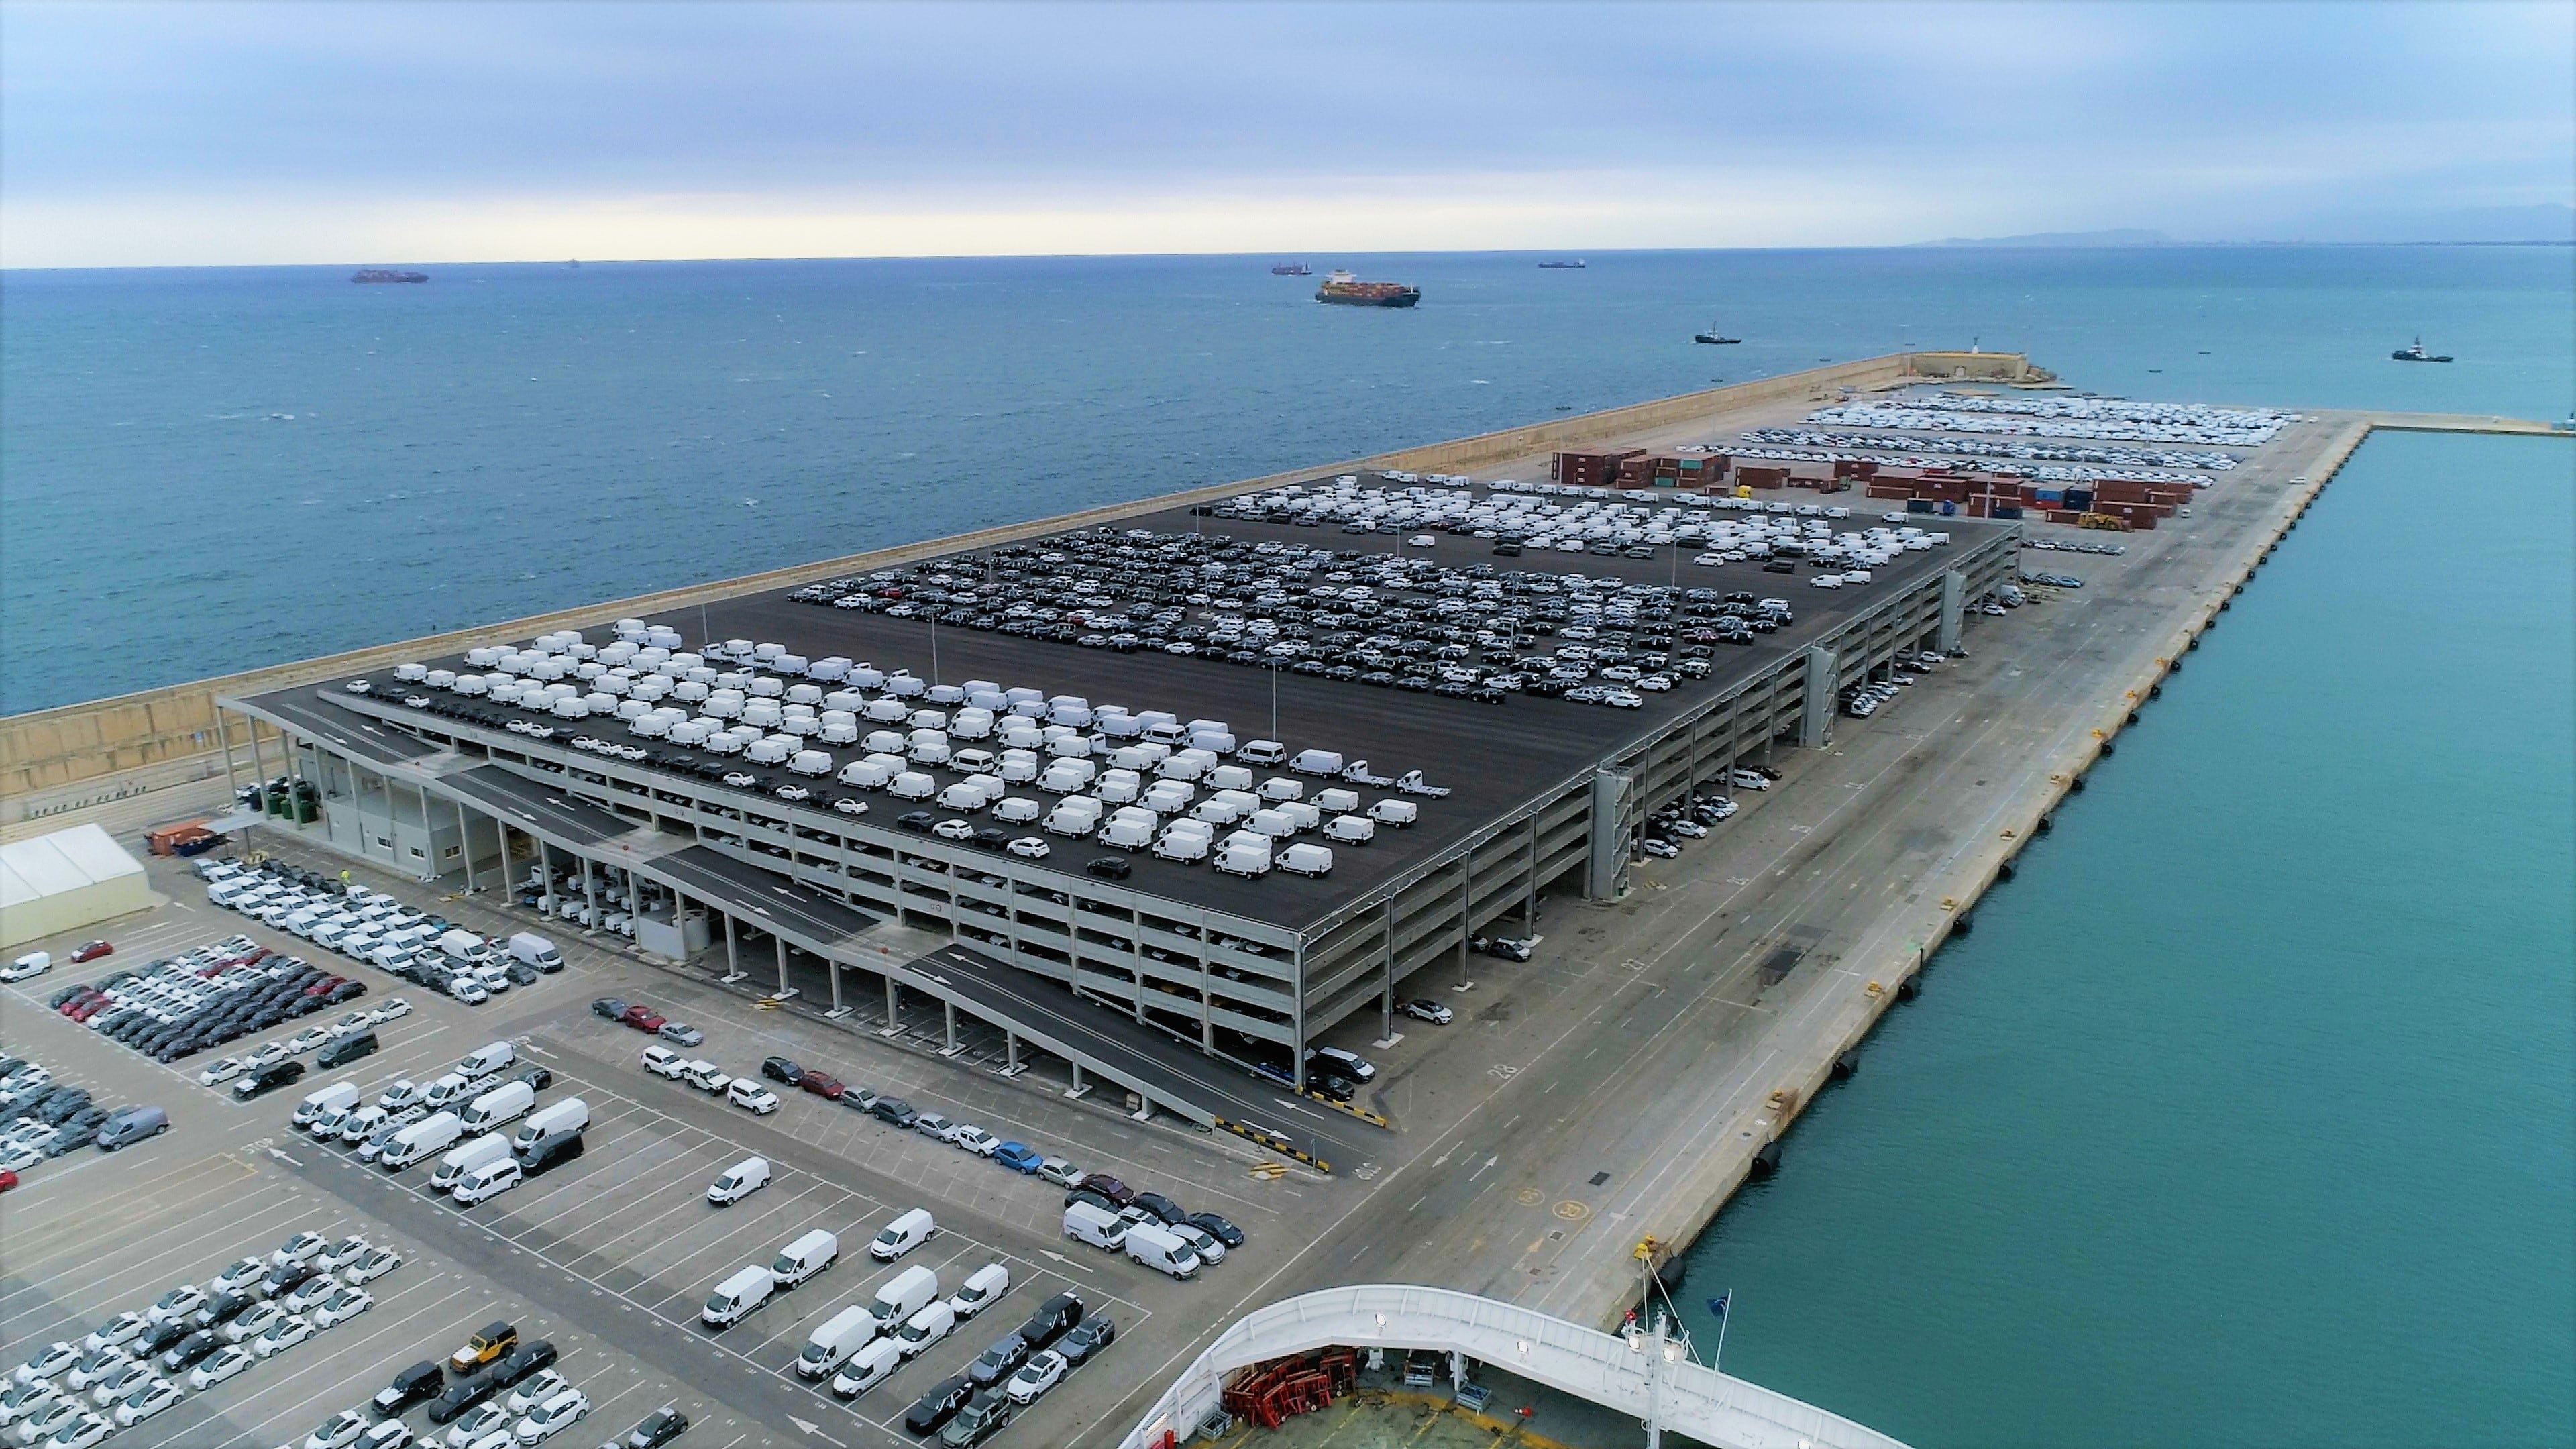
pixel 141 1362
pixel 47 1118
pixel 175 1008
pixel 486 1130
pixel 1867 698
pixel 862 1344
pixel 370 927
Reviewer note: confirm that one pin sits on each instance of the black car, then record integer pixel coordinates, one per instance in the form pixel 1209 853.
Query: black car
pixel 419 1382
pixel 610 1007
pixel 895 1110
pixel 537 1078
pixel 781 1070
pixel 189 1350
pixel 1110 867
pixel 659 1428
pixel 526 1359
pixel 916 821
pixel 981 1419
pixel 1000 1361
pixel 1052 1320
pixel 1088 1337
pixel 1332 1088
pixel 222 1308
pixel 269 1079
pixel 940 1405
pixel 1162 1207
pixel 461 1396
pixel 1218 1228
pixel 282 1281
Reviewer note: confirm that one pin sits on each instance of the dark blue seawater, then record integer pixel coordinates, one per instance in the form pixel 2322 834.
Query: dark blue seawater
pixel 204 471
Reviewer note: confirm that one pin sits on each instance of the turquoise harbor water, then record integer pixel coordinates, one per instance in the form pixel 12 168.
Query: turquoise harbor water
pixel 2244 1117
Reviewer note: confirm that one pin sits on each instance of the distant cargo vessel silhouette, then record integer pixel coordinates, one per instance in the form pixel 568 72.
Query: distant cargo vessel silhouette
pixel 379 274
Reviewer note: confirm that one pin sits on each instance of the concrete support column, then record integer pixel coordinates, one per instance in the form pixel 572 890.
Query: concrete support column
pixel 894 1005
pixel 948 1023
pixel 1954 607
pixel 833 969
pixel 224 736
pixel 428 840
pixel 546 870
pixel 1079 1085
pixel 1386 994
pixel 1529 906
pixel 465 849
pixel 590 892
pixel 781 943
pixel 1466 902
pixel 259 769
pixel 1010 1054
pixel 1816 715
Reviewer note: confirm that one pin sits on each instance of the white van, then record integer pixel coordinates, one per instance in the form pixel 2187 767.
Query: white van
pixel 904 1234
pixel 868 1368
pixel 903 1295
pixel 484 1060
pixel 924 1329
pixel 842 1334
pixel 500 1106
pixel 1091 1223
pixel 489 1180
pixel 746 1290
pixel 434 1133
pixel 739 1181
pixel 489 1148
pixel 982 1286
pixel 465 946
pixel 445 1090
pixel 1161 1250
pixel 569 1115
pixel 810 1254
pixel 536 951
pixel 328 1101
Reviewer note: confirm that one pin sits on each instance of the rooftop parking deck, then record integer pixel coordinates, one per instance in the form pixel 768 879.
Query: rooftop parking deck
pixel 1493 757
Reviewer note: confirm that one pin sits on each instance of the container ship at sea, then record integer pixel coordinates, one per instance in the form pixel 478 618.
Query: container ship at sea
pixel 1350 291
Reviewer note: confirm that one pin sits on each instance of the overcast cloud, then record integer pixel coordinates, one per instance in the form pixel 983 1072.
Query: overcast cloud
pixel 208 133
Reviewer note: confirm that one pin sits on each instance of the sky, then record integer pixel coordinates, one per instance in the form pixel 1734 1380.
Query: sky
pixel 221 134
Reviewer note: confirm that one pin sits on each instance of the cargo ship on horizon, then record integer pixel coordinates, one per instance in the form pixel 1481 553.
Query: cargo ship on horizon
pixel 1292 269
pixel 380 274
pixel 1350 291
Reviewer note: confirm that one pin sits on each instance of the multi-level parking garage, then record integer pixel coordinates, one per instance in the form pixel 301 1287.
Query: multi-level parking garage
pixel 1545 794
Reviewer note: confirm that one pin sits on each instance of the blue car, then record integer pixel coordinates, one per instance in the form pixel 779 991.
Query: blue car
pixel 1017 1157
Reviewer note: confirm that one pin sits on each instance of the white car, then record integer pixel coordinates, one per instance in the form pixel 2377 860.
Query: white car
pixel 479 1423
pixel 302 1248
pixel 240 1275
pixel 1209 1249
pixel 123 1329
pixel 223 1069
pixel 145 1402
pixel 282 1336
pixel 340 1429
pixel 310 1294
pixel 371 1267
pixel 60 1413
pixel 1042 1372
pixel 26 1400
pixel 342 1253
pixel 554 1416
pixel 752 1096
pixel 227 1361
pixel 48 1362
pixel 394 1009
pixel 976 1140
pixel 125 1379
pixel 81 1433
pixel 97 1368
pixel 953 830
pixel 468 990
pixel 342 1306
pixel 526 1397
pixel 1028 847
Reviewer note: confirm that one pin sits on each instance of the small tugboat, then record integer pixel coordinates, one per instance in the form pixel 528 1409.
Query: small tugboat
pixel 1715 338
pixel 1292 269
pixel 2417 353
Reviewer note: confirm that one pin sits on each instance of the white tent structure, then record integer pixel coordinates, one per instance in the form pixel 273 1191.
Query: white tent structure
pixel 53 884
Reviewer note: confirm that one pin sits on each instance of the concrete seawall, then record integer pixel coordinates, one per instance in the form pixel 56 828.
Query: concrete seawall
pixel 1952 891
pixel 64 757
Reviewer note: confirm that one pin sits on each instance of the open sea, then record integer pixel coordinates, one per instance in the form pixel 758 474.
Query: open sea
pixel 2248 1115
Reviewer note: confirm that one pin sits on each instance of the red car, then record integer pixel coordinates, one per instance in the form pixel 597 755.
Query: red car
pixel 8 1179
pixel 1110 1188
pixel 86 1007
pixel 643 1018
pixel 93 950
pixel 822 1084
pixel 325 986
